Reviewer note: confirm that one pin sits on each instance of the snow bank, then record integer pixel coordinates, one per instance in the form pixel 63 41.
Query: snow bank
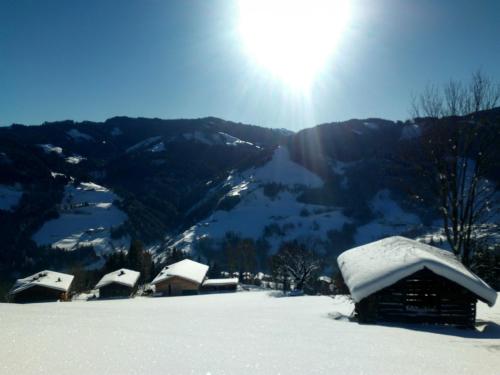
pixel 122 276
pixel 186 269
pixel 49 279
pixel 10 195
pixel 372 267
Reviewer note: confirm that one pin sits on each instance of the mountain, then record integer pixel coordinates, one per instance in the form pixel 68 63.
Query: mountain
pixel 73 192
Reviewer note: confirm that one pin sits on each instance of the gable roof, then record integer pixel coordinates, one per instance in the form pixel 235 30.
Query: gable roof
pixel 122 276
pixel 48 279
pixel 369 268
pixel 186 269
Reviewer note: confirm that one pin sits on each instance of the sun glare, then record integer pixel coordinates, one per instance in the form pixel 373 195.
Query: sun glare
pixel 293 39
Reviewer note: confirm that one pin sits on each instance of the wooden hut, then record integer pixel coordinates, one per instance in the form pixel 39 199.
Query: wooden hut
pixel 401 280
pixel 181 278
pixel 220 285
pixel 118 284
pixel 44 286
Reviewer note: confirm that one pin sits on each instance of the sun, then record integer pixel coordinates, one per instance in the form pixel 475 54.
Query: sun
pixel 292 39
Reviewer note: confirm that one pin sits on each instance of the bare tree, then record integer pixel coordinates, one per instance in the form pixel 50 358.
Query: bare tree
pixel 295 261
pixel 460 150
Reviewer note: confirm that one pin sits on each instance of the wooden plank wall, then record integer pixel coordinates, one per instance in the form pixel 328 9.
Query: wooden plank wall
pixel 423 297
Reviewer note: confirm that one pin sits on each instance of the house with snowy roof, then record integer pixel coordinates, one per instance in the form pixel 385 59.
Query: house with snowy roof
pixel 44 286
pixel 181 278
pixel 397 279
pixel 220 285
pixel 118 284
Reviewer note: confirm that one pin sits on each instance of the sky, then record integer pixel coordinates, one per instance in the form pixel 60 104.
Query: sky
pixel 95 59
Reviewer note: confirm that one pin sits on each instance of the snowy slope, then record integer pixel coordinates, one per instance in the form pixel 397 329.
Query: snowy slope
pixel 247 333
pixel 256 210
pixel 390 219
pixel 10 195
pixel 87 214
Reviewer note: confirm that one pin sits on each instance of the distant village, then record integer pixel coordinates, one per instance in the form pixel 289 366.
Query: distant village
pixel 395 279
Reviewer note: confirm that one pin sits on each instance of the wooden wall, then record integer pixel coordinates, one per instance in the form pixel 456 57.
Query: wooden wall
pixel 423 297
pixel 219 288
pixel 37 294
pixel 177 286
pixel 115 290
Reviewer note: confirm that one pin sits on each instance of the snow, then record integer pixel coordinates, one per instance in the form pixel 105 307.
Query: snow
pixel 372 267
pixel 233 141
pixel 410 132
pixel 371 125
pixel 10 196
pixel 390 219
pixel 244 333
pixel 186 269
pixel 78 135
pixel 116 132
pixel 281 169
pixel 144 143
pixel 75 159
pixel 228 281
pixel 48 148
pixel 87 214
pixel 122 276
pixel 48 279
pixel 261 211
pixel 160 147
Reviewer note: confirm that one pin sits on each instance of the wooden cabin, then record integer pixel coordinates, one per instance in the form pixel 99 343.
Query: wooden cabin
pixel 181 278
pixel 44 286
pixel 220 285
pixel 118 284
pixel 397 279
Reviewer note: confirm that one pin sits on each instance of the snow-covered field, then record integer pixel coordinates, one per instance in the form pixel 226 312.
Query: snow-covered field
pixel 242 333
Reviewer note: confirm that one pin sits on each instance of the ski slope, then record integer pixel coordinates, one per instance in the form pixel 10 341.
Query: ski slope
pixel 240 333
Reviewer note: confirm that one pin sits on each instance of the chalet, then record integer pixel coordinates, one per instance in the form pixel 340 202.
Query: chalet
pixel 181 278
pixel 44 286
pixel 220 285
pixel 401 280
pixel 118 284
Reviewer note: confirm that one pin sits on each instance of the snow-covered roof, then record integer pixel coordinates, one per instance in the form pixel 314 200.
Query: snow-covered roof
pixel 231 281
pixel 186 269
pixel 369 268
pixel 325 279
pixel 122 276
pixel 49 279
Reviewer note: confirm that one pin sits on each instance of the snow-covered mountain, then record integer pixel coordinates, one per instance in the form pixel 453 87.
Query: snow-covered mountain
pixel 192 184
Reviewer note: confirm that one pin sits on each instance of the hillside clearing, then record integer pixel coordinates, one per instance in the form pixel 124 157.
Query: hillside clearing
pixel 242 333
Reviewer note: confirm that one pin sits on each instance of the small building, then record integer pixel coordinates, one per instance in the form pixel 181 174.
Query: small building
pixel 401 280
pixel 181 278
pixel 118 284
pixel 220 285
pixel 323 285
pixel 44 286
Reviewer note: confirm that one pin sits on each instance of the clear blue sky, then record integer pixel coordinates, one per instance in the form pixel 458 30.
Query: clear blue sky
pixel 94 59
